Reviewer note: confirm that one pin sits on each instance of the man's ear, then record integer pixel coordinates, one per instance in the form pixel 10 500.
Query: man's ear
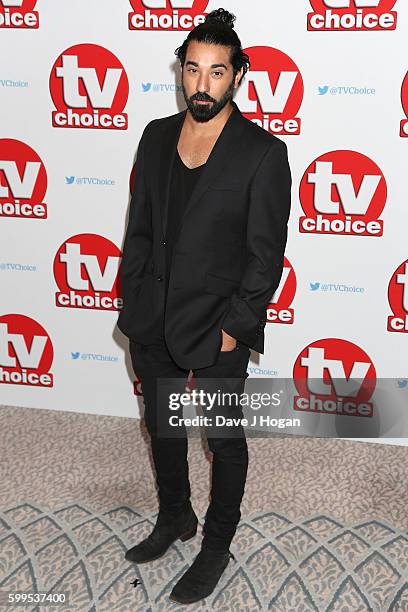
pixel 238 77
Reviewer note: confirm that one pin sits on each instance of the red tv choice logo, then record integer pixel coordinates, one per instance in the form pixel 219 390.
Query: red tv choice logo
pixel 18 14
pixel 137 387
pixel 404 100
pixel 272 91
pixel 351 15
pixel 86 272
pixel 334 376
pixel 342 192
pixel 89 87
pixel 23 181
pixel 166 14
pixel 26 352
pixel 279 311
pixel 398 299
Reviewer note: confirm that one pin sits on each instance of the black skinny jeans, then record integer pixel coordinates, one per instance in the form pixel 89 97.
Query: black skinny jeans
pixel 230 452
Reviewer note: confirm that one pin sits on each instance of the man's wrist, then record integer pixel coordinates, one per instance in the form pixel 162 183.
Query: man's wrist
pixel 227 334
pixel 228 340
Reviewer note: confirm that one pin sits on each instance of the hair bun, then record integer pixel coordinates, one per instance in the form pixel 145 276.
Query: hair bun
pixel 221 16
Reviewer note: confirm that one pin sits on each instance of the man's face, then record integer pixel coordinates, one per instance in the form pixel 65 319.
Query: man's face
pixel 207 79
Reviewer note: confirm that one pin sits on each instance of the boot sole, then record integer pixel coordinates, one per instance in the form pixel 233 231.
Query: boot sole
pixel 184 537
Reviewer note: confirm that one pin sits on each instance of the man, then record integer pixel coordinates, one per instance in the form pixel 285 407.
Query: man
pixel 202 257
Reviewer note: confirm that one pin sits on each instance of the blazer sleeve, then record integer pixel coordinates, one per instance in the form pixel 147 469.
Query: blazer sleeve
pixel 138 238
pixel 268 214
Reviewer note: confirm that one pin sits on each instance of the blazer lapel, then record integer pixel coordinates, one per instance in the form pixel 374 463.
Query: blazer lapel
pixel 222 151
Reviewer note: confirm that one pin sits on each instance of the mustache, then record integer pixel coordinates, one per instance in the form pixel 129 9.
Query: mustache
pixel 202 97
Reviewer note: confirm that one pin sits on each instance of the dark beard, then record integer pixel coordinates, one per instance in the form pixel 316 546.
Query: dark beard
pixel 205 112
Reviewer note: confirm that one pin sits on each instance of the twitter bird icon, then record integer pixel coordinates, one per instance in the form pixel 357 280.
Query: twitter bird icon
pixel 323 90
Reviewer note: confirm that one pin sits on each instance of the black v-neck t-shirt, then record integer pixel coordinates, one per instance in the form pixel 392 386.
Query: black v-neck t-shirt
pixel 183 181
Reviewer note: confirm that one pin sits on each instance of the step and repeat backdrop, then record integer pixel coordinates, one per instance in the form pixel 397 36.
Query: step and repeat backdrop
pixel 78 83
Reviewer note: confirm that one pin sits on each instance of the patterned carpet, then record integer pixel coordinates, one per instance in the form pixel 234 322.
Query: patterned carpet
pixel 317 564
pixel 324 522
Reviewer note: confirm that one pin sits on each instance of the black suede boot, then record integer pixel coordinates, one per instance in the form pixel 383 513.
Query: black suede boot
pixel 202 576
pixel 167 530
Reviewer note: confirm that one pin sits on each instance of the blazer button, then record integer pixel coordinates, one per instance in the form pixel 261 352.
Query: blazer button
pixel 160 278
pixel 163 243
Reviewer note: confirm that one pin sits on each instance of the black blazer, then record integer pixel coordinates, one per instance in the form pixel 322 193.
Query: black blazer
pixel 228 258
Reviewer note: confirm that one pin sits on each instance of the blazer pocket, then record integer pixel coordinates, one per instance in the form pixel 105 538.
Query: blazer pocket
pixel 220 285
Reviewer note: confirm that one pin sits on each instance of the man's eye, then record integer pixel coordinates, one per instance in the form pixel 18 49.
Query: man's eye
pixel 192 70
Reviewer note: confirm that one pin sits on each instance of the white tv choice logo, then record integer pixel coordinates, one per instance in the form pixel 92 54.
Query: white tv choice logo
pixel 86 272
pixel 23 181
pixel 19 14
pixel 404 101
pixel 334 376
pixel 398 299
pixel 166 14
pixel 271 92
pixel 279 310
pixel 351 15
pixel 89 87
pixel 26 352
pixel 343 192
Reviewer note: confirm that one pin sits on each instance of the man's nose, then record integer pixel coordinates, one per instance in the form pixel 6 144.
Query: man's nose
pixel 203 84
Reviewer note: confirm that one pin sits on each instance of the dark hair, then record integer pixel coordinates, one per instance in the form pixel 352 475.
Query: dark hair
pixel 218 29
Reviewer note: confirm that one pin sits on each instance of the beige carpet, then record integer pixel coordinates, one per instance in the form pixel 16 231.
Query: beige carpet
pixel 324 522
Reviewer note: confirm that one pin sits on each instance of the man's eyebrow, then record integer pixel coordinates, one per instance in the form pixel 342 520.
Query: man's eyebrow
pixel 212 65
